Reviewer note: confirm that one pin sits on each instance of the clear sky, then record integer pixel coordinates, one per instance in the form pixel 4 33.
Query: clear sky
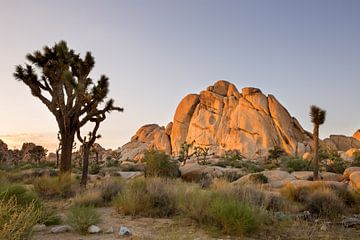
pixel 155 52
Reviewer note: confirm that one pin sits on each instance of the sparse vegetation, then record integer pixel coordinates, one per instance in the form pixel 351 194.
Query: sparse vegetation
pixel 159 164
pixel 276 152
pixel 292 164
pixel 16 221
pixel 89 198
pixel 258 178
pixel 81 218
pixel 55 187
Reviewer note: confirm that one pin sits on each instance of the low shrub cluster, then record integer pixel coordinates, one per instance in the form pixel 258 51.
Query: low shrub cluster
pixel 159 164
pixel 322 200
pixel 55 187
pixel 292 164
pixel 165 197
pixel 82 217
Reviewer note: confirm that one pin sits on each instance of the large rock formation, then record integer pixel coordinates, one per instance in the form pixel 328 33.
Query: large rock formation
pixel 150 136
pixel 222 119
pixel 341 142
pixel 357 135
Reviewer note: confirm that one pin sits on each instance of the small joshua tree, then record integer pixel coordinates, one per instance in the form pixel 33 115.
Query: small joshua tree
pixel 184 151
pixel 38 153
pixel 317 118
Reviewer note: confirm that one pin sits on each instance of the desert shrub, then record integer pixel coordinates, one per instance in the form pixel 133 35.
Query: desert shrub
pixel 50 187
pixel 255 196
pixel 216 209
pixel 153 198
pixel 159 164
pixel 162 196
pixel 49 217
pixel 276 152
pixel 89 198
pixel 300 193
pixel 231 176
pixel 134 199
pixel 16 221
pixel 356 162
pixel 328 153
pixel 94 168
pixel 81 218
pixel 110 189
pixel 229 162
pixel 233 217
pixel 22 195
pixel 111 162
pixel 324 203
pixel 194 203
pixel 258 178
pixel 322 200
pixel 251 167
pixel 295 164
pixel 337 165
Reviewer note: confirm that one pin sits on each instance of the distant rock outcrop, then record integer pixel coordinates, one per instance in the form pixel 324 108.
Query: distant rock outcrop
pixel 222 119
pixel 356 135
pixel 341 142
pixel 150 136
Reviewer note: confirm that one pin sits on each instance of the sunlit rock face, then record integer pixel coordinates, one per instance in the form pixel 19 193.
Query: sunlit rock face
pixel 357 135
pixel 223 119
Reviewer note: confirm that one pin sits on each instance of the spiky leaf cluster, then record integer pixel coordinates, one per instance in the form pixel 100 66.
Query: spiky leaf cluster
pixel 63 84
pixel 317 115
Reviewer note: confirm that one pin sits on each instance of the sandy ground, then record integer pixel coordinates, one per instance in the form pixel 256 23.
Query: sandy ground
pixel 181 229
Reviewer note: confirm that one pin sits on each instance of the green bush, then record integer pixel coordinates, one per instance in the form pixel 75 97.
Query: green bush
pixel 151 198
pixel 22 195
pixel 94 168
pixel 276 152
pixel 81 218
pixel 52 187
pixel 159 164
pixel 111 162
pixel 229 162
pixel 251 167
pixel 356 162
pixel 258 178
pixel 194 203
pixel 337 165
pixel 233 217
pixel 295 164
pixel 49 217
pixel 134 199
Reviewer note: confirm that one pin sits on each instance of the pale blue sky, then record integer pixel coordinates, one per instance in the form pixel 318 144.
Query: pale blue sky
pixel 155 52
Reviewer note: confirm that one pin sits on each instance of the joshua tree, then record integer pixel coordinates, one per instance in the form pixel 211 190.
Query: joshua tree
pixel 38 153
pixel 184 151
pixel 317 118
pixel 62 83
pixel 59 149
pixel 87 143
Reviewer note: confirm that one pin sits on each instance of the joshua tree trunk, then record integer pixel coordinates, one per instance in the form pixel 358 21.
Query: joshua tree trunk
pixel 85 168
pixel 66 151
pixel 316 150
